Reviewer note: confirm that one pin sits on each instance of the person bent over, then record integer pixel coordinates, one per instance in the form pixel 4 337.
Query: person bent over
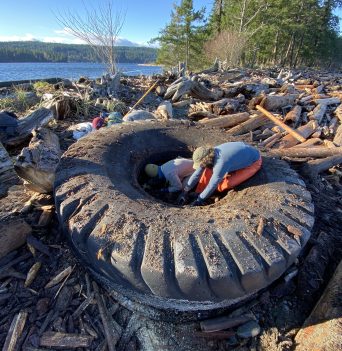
pixel 221 168
pixel 173 172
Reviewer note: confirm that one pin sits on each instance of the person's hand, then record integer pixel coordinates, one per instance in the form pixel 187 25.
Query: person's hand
pixel 182 198
pixel 197 202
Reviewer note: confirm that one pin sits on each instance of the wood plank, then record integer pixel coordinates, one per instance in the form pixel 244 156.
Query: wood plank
pixel 64 340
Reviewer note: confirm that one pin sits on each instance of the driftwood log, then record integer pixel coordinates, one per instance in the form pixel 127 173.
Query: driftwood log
pixel 37 163
pixel 315 152
pixel 8 176
pixel 338 136
pixel 197 115
pixel 280 123
pixel 226 121
pixel 313 168
pixel 338 112
pixel 329 101
pixel 305 130
pixel 274 102
pixel 183 86
pixel 38 118
pixel 164 110
pixel 322 329
pixel 224 106
pixel 249 125
pixel 319 112
pixel 294 115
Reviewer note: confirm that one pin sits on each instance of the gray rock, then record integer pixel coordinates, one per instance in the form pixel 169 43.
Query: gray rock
pixel 249 330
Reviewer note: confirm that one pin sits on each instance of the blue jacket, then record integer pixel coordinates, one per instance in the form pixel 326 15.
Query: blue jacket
pixel 228 157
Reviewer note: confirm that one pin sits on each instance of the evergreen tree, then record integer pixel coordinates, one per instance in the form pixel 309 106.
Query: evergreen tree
pixel 182 38
pixel 281 32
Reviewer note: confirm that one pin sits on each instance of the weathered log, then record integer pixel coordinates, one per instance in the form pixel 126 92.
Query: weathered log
pixel 313 168
pixel 306 130
pixel 294 114
pixel 160 90
pixel 274 102
pixel 193 88
pixel 322 329
pixel 64 340
pixel 37 163
pixel 13 234
pixel 38 118
pixel 338 136
pixel 319 112
pixel 315 152
pixel 8 177
pixel 226 121
pixel 197 115
pixel 270 141
pixel 15 331
pixel 252 123
pixel 280 123
pixel 164 110
pixel 224 106
pixel 310 142
pixel 338 112
pixel 327 102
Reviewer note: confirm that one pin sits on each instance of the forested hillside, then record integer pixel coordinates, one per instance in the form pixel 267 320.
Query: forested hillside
pixel 50 52
pixel 254 33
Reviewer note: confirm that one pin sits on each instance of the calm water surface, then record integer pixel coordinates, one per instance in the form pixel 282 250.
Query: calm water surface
pixel 37 70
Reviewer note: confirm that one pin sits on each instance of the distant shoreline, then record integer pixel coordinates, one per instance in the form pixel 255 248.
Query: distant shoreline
pixel 149 64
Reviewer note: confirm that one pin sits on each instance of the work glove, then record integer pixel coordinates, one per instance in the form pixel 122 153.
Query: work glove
pixel 197 202
pixel 182 198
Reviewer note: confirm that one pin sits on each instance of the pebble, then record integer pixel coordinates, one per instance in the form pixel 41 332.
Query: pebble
pixel 249 330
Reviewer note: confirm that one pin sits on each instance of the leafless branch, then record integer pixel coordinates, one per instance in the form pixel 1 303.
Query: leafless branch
pixel 99 28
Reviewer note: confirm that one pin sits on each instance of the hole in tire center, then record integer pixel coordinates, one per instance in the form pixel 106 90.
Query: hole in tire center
pixel 153 186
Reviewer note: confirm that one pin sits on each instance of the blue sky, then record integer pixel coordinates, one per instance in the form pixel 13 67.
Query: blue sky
pixel 35 19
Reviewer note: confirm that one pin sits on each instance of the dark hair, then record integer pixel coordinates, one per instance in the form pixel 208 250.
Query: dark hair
pixel 208 161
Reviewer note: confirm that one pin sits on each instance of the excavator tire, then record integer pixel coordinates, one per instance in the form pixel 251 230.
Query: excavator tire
pixel 171 260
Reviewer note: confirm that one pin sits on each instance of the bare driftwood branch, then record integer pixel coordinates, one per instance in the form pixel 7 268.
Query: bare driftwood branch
pixel 15 331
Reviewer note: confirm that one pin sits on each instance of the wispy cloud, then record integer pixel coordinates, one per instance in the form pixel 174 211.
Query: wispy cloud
pixel 65 37
pixel 25 37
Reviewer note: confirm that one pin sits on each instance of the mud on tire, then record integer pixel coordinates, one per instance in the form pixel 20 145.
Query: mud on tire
pixel 171 258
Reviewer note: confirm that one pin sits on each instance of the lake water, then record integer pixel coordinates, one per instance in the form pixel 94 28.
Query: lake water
pixel 74 70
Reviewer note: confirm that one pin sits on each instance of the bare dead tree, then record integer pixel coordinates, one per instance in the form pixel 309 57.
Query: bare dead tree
pixel 228 46
pixel 99 28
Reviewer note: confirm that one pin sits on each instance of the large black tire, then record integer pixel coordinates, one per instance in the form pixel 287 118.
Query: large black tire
pixel 167 257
